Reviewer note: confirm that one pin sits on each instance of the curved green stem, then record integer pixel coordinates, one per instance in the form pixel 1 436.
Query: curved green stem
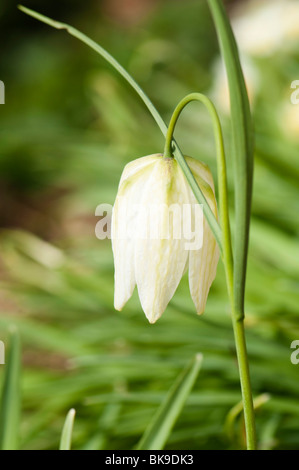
pixel 226 251
pixel 227 254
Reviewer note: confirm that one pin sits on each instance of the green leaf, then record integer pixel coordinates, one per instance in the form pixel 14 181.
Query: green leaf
pixel 242 146
pixel 11 397
pixel 160 427
pixel 67 431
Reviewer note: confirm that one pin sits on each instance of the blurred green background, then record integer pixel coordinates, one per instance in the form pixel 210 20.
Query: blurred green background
pixel 68 127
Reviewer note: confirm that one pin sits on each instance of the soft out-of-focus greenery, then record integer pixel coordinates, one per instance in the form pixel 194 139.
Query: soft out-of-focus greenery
pixel 68 127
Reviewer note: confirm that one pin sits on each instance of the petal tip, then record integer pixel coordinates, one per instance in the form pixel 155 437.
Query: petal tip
pixel 201 311
pixel 118 308
pixel 153 317
pixel 119 304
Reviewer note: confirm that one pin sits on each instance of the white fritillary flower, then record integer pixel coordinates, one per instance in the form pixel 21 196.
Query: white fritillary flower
pixel 158 231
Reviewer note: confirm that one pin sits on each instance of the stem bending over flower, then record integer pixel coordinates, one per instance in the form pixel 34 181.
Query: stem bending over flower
pixel 148 103
pixel 226 248
pixel 227 256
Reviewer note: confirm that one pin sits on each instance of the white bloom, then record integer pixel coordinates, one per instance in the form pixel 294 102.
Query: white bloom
pixel 156 264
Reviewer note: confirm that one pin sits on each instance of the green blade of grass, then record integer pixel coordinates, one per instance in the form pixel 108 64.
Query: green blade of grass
pixel 11 397
pixel 242 146
pixel 67 431
pixel 160 427
pixel 152 109
pixel 237 410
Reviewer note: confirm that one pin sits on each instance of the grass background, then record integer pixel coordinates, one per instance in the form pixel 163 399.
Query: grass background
pixel 68 127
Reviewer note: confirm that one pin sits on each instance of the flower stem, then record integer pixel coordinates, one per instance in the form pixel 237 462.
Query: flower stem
pixel 238 326
pixel 225 247
pixel 241 350
pixel 227 255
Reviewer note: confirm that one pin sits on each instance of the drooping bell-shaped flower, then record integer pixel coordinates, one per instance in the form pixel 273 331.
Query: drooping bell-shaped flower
pixel 158 231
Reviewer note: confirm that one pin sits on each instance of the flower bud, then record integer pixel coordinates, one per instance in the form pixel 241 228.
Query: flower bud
pixel 158 231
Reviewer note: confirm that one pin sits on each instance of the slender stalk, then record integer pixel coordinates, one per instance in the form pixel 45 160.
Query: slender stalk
pixel 227 254
pixel 243 363
pixel 242 355
pixel 226 248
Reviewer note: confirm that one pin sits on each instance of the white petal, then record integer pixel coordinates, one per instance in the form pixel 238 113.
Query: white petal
pixel 202 269
pixel 134 167
pixel 201 170
pixel 124 216
pixel 160 262
pixel 203 263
